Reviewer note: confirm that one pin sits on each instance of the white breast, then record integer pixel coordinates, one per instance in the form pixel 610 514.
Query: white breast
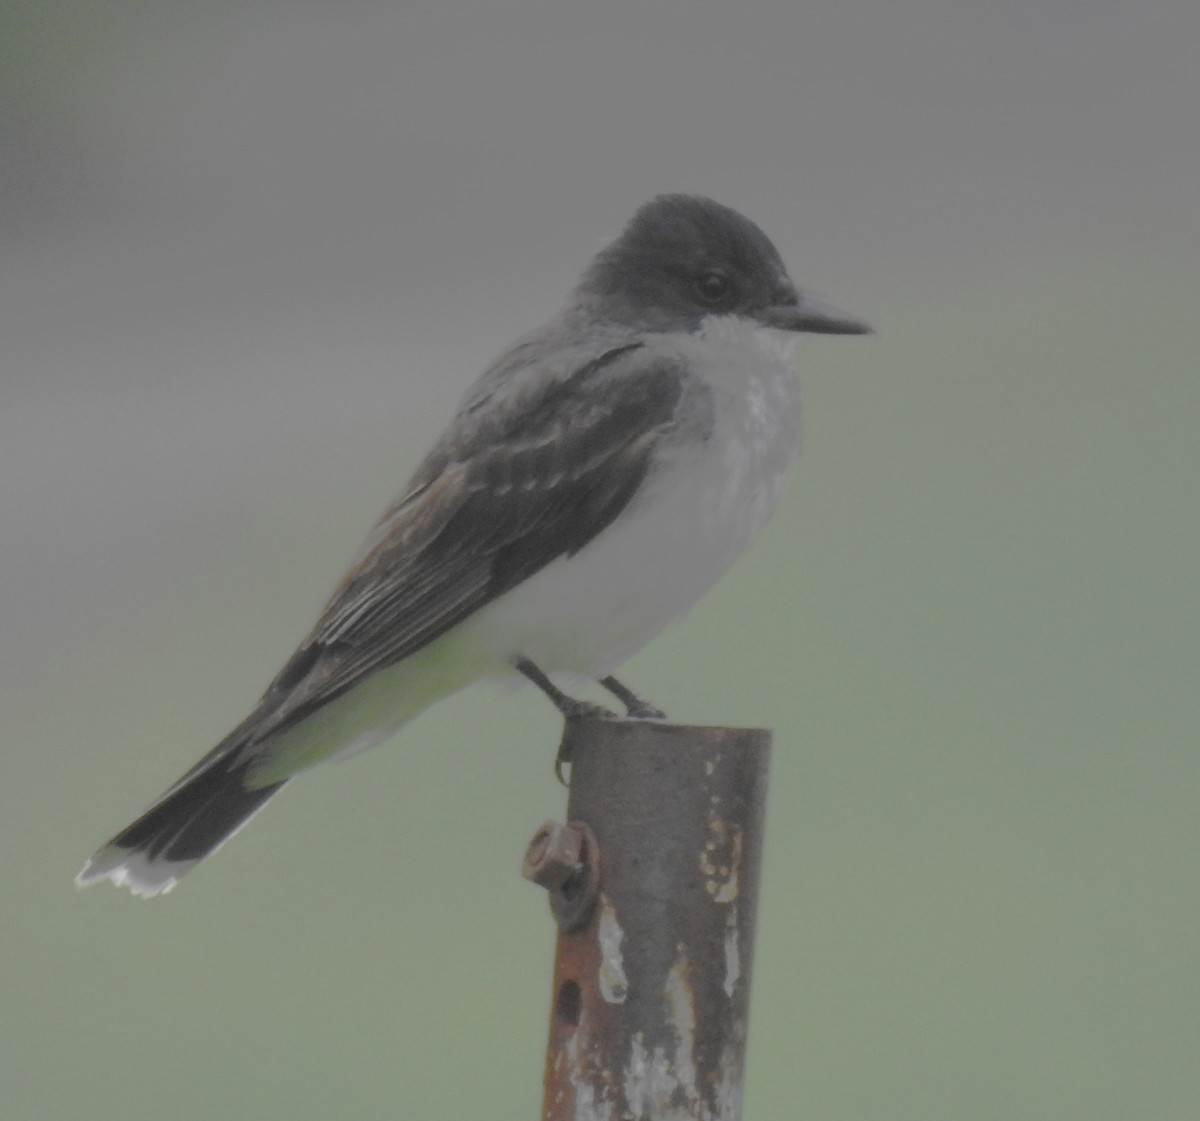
pixel 702 505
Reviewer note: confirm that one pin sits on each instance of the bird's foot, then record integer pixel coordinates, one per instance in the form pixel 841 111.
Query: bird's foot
pixel 573 709
pixel 570 707
pixel 644 711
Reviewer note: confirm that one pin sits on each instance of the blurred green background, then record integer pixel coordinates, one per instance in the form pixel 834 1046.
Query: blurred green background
pixel 250 255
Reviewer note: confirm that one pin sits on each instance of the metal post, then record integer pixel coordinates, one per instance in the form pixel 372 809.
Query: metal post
pixel 654 883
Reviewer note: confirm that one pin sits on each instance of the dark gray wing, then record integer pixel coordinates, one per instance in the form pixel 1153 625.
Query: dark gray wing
pixel 529 472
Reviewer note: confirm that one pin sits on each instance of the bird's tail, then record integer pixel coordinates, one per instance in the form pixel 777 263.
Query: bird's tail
pixel 191 821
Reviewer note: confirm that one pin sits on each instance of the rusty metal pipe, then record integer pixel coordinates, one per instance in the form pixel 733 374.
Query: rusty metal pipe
pixel 655 887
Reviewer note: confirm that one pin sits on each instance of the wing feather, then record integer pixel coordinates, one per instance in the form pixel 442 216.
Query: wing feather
pixel 522 476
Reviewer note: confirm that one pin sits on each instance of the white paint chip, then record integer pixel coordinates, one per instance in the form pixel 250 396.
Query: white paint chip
pixel 733 963
pixel 614 986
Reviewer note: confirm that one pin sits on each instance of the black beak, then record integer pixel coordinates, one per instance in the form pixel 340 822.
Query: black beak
pixel 813 315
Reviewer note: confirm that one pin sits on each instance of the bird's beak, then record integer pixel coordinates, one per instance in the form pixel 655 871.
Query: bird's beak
pixel 810 314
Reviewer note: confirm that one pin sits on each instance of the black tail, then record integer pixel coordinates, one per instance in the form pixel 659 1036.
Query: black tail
pixel 193 819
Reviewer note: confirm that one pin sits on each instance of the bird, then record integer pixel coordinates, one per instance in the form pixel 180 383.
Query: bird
pixel 594 483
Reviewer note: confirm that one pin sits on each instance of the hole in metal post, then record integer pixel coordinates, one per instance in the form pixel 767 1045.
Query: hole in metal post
pixel 568 1007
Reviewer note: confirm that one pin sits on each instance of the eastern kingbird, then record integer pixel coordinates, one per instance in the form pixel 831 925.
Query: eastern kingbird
pixel 595 482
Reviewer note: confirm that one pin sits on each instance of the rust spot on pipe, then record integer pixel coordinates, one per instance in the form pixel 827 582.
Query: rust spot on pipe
pixel 565 860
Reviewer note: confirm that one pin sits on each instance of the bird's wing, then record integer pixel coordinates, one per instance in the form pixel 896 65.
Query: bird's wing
pixel 526 473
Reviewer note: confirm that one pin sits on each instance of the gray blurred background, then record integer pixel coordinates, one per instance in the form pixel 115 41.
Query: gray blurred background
pixel 251 254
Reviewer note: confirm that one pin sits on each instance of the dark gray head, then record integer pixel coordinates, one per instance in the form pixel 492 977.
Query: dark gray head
pixel 682 258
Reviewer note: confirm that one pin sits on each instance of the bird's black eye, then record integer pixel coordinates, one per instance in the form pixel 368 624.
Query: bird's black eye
pixel 713 287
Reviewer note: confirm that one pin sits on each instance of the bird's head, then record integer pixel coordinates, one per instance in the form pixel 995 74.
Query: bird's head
pixel 683 258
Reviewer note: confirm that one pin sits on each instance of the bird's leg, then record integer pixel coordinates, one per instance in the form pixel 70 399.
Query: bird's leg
pixel 634 705
pixel 570 708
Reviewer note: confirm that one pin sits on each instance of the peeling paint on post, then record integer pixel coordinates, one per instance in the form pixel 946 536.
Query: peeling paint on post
pixel 651 994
